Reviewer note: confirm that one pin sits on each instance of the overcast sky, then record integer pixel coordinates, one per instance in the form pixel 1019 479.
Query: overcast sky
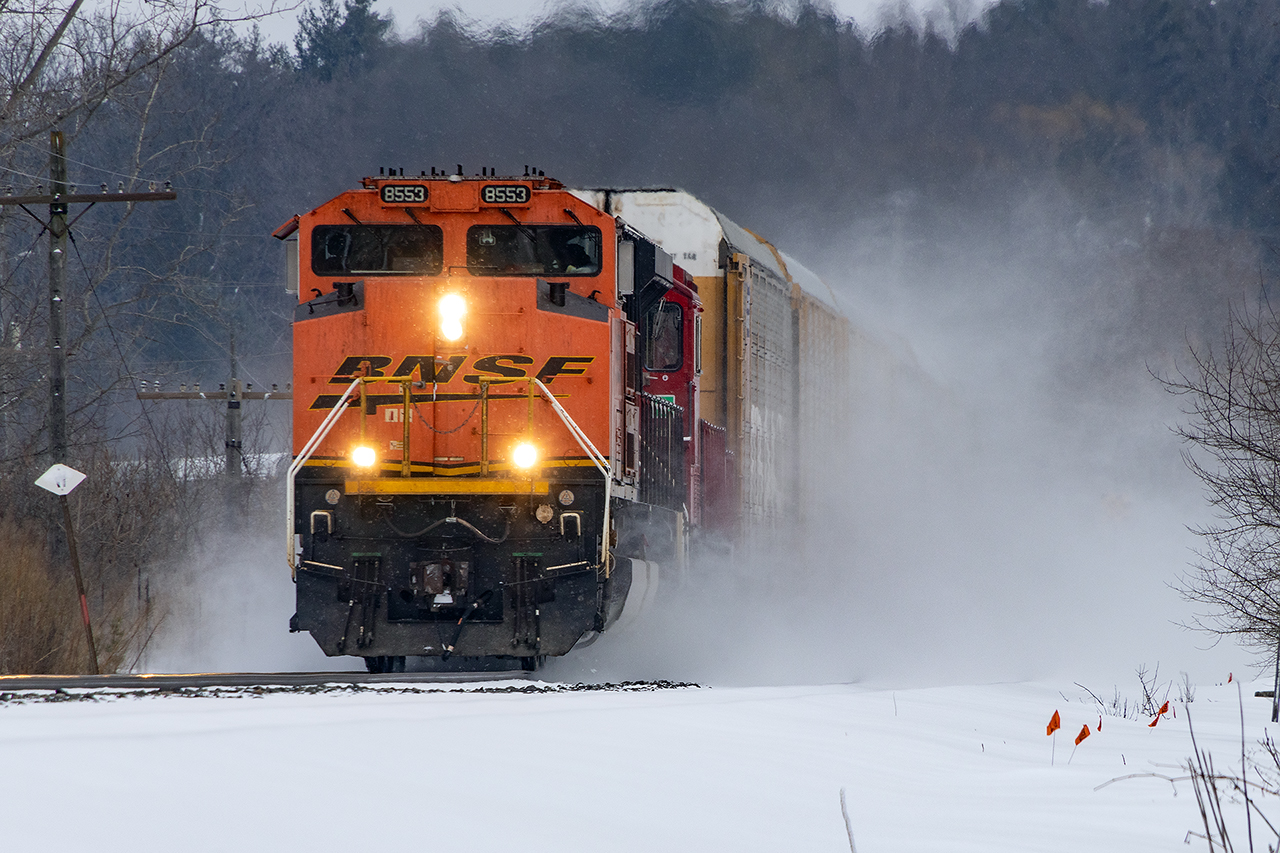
pixel 519 13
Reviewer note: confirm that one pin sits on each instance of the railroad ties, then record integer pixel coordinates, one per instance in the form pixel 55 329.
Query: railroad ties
pixel 22 689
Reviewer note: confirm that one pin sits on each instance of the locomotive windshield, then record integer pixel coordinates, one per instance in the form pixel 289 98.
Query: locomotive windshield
pixel 662 336
pixel 533 250
pixel 404 249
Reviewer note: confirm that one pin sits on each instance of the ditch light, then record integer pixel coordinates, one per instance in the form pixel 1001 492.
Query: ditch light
pixel 525 455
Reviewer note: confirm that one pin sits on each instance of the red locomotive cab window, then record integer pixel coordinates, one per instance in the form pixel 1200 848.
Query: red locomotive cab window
pixel 664 337
pixel 377 249
pixel 533 250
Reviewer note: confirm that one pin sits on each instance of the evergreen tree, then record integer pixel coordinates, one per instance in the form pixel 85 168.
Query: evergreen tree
pixel 337 41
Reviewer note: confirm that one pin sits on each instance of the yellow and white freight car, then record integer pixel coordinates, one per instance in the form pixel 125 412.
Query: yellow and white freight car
pixel 774 361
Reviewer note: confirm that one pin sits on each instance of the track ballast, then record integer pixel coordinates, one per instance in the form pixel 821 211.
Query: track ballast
pixel 24 689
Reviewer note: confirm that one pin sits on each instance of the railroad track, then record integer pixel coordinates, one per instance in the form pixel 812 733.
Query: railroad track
pixel 23 689
pixel 186 681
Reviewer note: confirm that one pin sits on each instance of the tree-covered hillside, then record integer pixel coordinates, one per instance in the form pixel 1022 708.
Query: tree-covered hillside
pixel 1122 155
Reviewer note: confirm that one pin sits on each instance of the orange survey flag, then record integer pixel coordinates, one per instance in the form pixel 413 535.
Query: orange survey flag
pixel 1055 723
pixel 1164 709
pixel 1084 733
pixel 1099 722
pixel 1229 677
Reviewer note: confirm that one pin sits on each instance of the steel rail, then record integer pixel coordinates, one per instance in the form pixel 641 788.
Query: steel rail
pixel 179 681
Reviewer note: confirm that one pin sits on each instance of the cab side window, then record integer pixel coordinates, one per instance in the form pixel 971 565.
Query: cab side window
pixel 664 337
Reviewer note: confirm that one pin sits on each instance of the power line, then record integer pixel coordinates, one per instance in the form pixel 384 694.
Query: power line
pixel 90 166
pixel 59 200
pixel 124 364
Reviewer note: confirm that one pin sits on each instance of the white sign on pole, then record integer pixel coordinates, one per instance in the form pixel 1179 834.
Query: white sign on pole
pixel 60 479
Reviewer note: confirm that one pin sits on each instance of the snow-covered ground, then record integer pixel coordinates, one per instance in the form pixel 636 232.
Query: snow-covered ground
pixel 964 768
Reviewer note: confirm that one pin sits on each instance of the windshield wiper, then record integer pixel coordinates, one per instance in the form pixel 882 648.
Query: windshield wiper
pixel 528 235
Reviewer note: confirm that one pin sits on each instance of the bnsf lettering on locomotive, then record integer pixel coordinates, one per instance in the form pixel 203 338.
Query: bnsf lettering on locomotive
pixel 403 194
pixel 430 368
pixel 564 365
pixel 492 365
pixel 505 194
pixel 500 369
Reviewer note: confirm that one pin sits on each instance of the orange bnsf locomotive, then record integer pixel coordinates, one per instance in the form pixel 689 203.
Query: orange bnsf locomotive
pixel 498 431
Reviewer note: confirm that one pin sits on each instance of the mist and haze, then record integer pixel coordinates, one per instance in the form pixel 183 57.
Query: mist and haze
pixel 1013 504
pixel 1024 217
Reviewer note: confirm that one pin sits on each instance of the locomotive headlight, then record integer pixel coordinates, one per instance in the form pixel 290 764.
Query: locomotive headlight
pixel 364 456
pixel 452 309
pixel 525 455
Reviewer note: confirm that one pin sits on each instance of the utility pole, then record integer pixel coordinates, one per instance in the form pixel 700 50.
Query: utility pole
pixel 57 285
pixel 234 392
pixel 61 480
pixel 59 199
pixel 235 432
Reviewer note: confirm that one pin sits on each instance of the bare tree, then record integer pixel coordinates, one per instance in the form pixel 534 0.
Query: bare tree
pixel 60 61
pixel 63 62
pixel 1233 403
pixel 125 91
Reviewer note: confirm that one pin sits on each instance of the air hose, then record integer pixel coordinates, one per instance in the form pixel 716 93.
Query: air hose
pixel 457 632
pixel 452 520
